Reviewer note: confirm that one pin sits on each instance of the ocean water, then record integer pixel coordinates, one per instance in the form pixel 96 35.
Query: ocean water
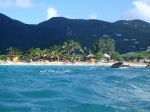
pixel 74 89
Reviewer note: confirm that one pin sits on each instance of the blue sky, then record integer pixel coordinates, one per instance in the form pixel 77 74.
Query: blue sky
pixel 36 11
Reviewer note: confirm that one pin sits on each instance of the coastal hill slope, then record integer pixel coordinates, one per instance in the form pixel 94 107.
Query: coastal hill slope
pixel 133 35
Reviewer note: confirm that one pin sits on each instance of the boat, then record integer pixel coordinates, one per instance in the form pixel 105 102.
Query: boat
pixel 120 65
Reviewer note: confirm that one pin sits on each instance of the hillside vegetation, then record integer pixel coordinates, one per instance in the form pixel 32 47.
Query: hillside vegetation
pixel 129 36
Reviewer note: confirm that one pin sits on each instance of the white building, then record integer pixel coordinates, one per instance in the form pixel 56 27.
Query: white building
pixel 118 35
pixel 133 39
pixel 137 42
pixel 148 48
pixel 125 39
pixel 105 35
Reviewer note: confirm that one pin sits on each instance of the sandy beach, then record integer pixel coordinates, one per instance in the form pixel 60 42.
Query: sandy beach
pixel 70 64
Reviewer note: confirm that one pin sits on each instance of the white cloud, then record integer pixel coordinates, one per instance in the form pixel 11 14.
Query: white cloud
pixel 93 16
pixel 51 12
pixel 16 3
pixel 24 3
pixel 140 11
pixel 6 3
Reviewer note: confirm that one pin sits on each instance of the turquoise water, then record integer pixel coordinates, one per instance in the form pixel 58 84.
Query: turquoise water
pixel 74 89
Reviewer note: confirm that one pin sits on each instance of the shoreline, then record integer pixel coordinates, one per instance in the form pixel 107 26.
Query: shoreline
pixel 70 64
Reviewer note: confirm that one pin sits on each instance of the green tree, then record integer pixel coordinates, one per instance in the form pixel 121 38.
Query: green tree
pixel 71 46
pixel 55 51
pixel 126 57
pixel 14 52
pixel 99 55
pixel 105 45
pixel 138 56
pixel 3 57
pixel 24 57
pixel 86 51
pixel 116 56
pixel 29 54
pixel 37 53
pixel 46 53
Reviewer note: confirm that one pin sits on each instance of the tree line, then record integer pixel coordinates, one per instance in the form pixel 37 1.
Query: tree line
pixel 73 50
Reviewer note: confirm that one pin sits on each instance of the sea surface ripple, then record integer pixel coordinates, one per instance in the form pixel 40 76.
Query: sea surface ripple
pixel 74 89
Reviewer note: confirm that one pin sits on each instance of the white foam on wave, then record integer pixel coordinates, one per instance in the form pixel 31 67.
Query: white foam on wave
pixel 123 68
pixel 138 67
pixel 55 71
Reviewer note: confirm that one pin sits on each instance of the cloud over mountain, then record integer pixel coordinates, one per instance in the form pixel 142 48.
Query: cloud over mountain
pixel 93 16
pixel 51 12
pixel 141 11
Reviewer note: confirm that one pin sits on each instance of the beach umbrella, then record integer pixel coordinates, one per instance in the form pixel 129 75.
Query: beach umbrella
pixel 90 55
pixel 92 60
pixel 106 55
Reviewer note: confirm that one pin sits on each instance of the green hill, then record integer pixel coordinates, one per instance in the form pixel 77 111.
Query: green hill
pixel 129 36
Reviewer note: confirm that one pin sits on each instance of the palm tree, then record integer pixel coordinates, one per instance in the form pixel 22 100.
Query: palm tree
pixel 87 53
pixel 46 53
pixel 11 52
pixel 14 52
pixel 38 52
pixel 76 46
pixel 67 47
pixel 55 51
pixel 30 53
pixel 71 46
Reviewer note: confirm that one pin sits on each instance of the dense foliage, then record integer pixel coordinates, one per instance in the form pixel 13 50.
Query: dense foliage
pixel 73 50
pixel 104 45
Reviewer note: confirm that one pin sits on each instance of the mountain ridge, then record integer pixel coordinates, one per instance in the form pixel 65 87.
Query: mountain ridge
pixel 23 36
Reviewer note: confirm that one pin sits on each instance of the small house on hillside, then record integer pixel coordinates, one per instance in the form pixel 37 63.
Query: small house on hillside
pixel 133 39
pixel 148 48
pixel 125 39
pixel 118 35
pixel 137 42
pixel 105 35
